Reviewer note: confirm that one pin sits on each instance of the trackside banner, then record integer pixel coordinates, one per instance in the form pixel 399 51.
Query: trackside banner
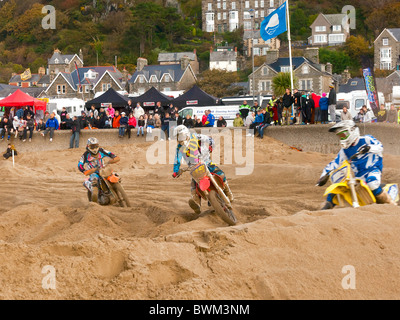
pixel 371 90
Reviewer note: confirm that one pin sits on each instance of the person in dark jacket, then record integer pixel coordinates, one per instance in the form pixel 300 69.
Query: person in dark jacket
pixel 308 107
pixel 123 124
pixel 265 124
pixel 63 116
pixel 178 118
pixel 198 123
pixel 287 101
pixel 9 151
pixel 67 122
pixel 221 122
pixel 128 108
pixel 159 110
pixel 297 106
pixel 165 125
pixel 332 104
pixel 83 120
pixel 6 127
pixel 30 125
pixel 28 110
pixel 40 126
pixel 188 122
pixel 75 130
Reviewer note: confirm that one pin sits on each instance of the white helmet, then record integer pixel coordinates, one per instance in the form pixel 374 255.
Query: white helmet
pixel 182 134
pixel 93 146
pixel 347 132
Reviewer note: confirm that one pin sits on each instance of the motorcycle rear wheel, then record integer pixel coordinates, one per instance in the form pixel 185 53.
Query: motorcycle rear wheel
pixel 123 197
pixel 221 209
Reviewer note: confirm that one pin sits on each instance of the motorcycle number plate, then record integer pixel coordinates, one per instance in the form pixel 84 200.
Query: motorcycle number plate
pixel 199 171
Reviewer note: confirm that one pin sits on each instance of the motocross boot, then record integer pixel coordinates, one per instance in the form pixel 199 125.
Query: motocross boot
pixel 384 197
pixel 228 192
pixel 195 202
pixel 327 205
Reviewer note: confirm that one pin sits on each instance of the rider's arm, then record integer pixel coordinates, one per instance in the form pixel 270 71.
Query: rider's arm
pixel 374 144
pixel 335 163
pixel 114 160
pixel 177 162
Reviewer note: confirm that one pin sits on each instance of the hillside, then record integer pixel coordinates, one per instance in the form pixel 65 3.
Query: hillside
pixel 107 29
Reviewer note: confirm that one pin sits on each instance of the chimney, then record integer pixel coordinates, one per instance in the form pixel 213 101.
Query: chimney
pixel 184 62
pixel 329 68
pixel 41 72
pixel 141 63
pixel 312 54
pixel 346 76
pixel 272 56
pixel 125 75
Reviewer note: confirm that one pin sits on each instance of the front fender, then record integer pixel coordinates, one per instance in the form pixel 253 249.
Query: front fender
pixel 341 189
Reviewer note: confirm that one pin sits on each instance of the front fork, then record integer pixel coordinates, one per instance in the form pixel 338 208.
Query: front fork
pixel 352 185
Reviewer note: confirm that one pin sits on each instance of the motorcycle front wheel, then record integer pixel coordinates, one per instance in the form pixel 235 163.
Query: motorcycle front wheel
pixel 221 208
pixel 123 197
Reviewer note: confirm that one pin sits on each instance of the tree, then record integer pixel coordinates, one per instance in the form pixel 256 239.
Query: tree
pixel 217 82
pixel 282 81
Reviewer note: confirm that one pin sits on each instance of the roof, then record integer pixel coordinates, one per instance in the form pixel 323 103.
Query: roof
pixel 6 90
pixel 17 78
pixel 352 85
pixel 61 58
pixel 296 61
pixel 223 55
pixel 195 96
pixel 395 33
pixel 175 56
pixel 335 19
pixel 110 96
pixel 174 70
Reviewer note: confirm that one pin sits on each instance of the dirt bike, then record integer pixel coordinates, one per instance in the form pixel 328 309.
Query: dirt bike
pixel 353 191
pixel 210 186
pixel 110 190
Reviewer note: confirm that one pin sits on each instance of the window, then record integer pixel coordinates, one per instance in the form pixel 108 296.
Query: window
pixel 233 5
pixel 219 16
pixel 247 4
pixel 224 5
pixel 262 3
pixel 385 41
pixel 320 28
pixel 256 51
pixel 386 65
pixel 386 53
pixel 306 84
pixel 285 69
pixel 209 6
pixel 56 60
pixel 167 78
pixel 220 28
pixel 247 25
pixel 255 41
pixel 271 3
pixel 86 89
pixel 262 14
pixel 256 14
pixel 219 5
pixel 305 69
pixel 336 38
pixel 210 22
pixel 233 15
pixel 153 79
pixel 246 15
pixel 256 4
pixel 337 28
pixel 61 89
pixel 264 86
pixel 141 79
pixel 359 103
pixel 224 15
pixel 320 38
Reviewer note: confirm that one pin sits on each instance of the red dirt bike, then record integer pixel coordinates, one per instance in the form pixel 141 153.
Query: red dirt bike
pixel 110 190
pixel 209 187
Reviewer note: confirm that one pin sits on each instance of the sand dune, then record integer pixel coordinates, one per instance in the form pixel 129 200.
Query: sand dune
pixel 282 248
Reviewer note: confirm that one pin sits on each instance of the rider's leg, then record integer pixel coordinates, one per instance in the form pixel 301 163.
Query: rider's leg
pixel 373 180
pixel 94 179
pixel 329 202
pixel 227 190
pixel 195 201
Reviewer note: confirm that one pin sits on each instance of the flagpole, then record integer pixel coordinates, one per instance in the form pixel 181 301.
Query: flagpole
pixel 290 50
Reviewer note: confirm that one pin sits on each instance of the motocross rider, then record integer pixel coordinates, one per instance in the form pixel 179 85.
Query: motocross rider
pixel 91 161
pixel 367 166
pixel 195 148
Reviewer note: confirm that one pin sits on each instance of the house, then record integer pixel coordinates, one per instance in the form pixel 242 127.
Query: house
pixel 224 59
pixel 166 77
pixel 84 82
pixel 312 75
pixel 329 30
pixel 63 63
pixel 387 50
pixel 222 16
pixel 261 46
pixel 168 58
pixel 27 79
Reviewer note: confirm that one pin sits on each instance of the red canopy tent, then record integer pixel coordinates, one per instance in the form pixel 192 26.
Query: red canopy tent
pixel 19 99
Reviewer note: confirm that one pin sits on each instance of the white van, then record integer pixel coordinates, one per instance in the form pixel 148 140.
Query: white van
pixel 354 101
pixel 73 106
pixel 227 112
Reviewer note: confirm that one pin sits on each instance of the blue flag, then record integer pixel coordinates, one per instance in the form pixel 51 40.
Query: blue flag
pixel 275 24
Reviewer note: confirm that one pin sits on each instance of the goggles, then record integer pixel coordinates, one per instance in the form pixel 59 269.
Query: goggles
pixel 343 135
pixel 93 147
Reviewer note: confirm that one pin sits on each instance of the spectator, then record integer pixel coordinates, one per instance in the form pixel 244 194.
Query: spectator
pixel 257 121
pixel 28 110
pixel 316 117
pixel 131 124
pixel 221 122
pixel 198 123
pixel 6 128
pixel 63 116
pixel 332 103
pixel 271 104
pixel 324 105
pixel 111 113
pixel 165 125
pixel 138 111
pixel 250 119
pixel 30 125
pixel 56 115
pixel 210 119
pixel 363 116
pixel 20 112
pixel 188 122
pixel 150 124
pixel 308 106
pixel 287 101
pixel 238 122
pixel 244 110
pixel 265 124
pixel 279 107
pixel 123 124
pixel 91 120
pixel 178 119
pixel 75 131
pixel 117 117
pixel 157 121
pixel 392 114
pixel 382 114
pixel 51 125
pixel 40 126
pixel 140 125
pixel 297 106
pixel 345 115
pixel 9 151
pixel 11 114
pixel 83 120
pixel 159 110
pixel 204 118
pixel 47 116
pixel 94 110
pixel 67 122
pixel 255 106
pixel 107 121
pixel 128 108
pixel 18 125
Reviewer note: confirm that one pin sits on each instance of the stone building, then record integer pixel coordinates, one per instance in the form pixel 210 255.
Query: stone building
pixel 168 58
pixel 63 63
pixel 387 50
pixel 329 30
pixel 311 75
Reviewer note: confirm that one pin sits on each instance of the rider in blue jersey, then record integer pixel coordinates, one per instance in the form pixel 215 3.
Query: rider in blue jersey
pixel 91 162
pixel 367 166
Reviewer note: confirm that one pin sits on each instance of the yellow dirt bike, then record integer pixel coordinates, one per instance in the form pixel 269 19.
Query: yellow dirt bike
pixel 352 191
